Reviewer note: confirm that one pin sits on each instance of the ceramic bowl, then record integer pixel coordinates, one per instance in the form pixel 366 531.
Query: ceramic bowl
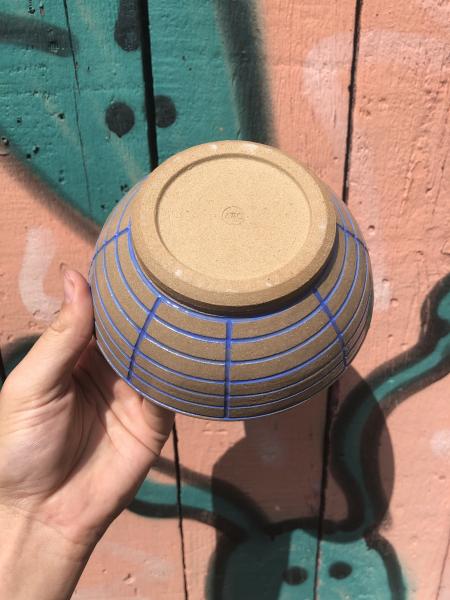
pixel 230 283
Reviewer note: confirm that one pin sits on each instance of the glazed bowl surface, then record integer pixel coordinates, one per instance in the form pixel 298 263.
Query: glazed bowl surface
pixel 230 283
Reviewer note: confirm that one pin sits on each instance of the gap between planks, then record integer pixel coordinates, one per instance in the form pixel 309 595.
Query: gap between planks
pixel 333 391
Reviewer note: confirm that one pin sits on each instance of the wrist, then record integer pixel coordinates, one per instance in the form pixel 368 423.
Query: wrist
pixel 35 560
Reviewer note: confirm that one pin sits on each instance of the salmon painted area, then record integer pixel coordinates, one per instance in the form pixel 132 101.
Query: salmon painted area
pixel 346 495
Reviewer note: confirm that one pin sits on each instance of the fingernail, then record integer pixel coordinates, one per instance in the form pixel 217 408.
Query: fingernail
pixel 69 287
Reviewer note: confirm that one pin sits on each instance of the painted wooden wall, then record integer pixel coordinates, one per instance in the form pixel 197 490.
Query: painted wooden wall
pixel 348 495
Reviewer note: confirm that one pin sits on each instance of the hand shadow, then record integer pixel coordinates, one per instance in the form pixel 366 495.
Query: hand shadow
pixel 264 562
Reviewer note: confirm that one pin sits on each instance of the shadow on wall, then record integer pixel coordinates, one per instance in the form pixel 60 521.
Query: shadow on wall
pixel 239 24
pixel 256 558
pixel 259 559
pixel 266 562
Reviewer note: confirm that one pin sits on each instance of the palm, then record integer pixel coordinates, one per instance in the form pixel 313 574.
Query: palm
pixel 82 454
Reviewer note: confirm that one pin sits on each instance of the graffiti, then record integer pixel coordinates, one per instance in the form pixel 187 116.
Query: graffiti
pixel 90 143
pixel 20 31
pixel 165 111
pixel 120 118
pixel 126 29
pixel 87 139
pixel 241 33
pixel 255 557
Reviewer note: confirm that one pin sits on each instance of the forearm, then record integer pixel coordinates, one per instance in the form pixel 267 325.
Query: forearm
pixel 36 563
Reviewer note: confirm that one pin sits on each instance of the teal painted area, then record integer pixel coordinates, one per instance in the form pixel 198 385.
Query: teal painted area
pixel 259 567
pixel 52 103
pixel 189 66
pixel 367 580
pixel 415 371
pixel 58 74
pixel 154 492
pixel 439 352
pixel 404 375
pixel 197 498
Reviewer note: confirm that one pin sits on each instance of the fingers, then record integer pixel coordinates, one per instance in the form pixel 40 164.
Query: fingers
pixel 149 422
pixel 49 364
pixel 160 420
pixel 155 417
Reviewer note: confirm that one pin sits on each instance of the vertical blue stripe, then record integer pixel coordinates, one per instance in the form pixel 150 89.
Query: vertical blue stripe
pixel 141 335
pixel 327 311
pixel 228 341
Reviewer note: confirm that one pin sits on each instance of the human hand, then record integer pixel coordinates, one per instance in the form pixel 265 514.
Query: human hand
pixel 76 441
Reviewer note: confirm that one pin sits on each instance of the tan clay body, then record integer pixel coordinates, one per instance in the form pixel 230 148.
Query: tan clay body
pixel 230 283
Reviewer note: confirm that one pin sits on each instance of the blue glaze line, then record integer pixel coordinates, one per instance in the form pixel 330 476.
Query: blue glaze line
pixel 196 314
pixel 180 388
pixel 298 367
pixel 191 357
pixel 157 318
pixel 137 367
pixel 141 335
pixel 139 353
pixel 135 326
pixel 111 322
pixel 120 308
pixel 315 335
pixel 335 326
pixel 228 342
pixel 255 394
pixel 245 381
pixel 179 373
pixel 195 336
pixel 184 412
pixel 355 237
pixel 135 376
pixel 124 279
pixel 189 402
pixel 185 355
pixel 105 244
pixel 351 346
pixel 317 383
pixel 166 300
pixel 131 194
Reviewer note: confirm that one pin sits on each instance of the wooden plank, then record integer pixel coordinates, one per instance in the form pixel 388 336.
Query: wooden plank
pixel 308 49
pixel 193 93
pixel 193 104
pixel 250 493
pixel 73 100
pixel 59 120
pixel 309 54
pixel 386 525
pixel 140 554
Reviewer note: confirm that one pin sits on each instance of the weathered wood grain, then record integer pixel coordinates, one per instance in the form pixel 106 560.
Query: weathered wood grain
pixel 396 470
pixel 73 100
pixel 61 69
pixel 271 467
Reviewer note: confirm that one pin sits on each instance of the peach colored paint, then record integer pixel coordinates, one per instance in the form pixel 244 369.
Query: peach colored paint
pixel 399 191
pixel 37 242
pixel 138 558
pixel 290 31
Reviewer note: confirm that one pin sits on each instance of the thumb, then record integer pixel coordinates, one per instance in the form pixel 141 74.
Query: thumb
pixel 48 365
